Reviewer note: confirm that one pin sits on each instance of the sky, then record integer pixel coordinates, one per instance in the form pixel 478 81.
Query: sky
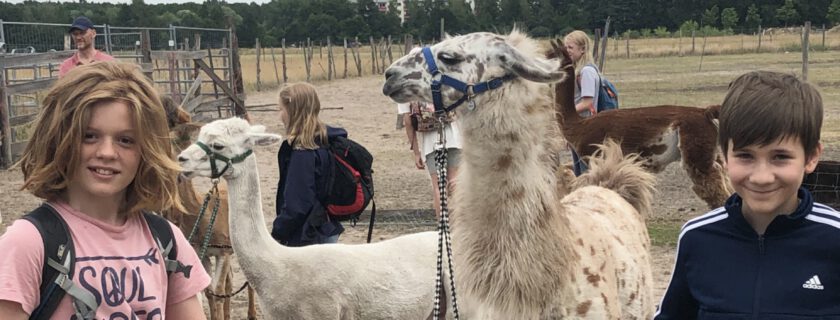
pixel 146 1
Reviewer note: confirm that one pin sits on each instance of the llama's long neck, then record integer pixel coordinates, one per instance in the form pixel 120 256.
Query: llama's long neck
pixel 564 101
pixel 504 171
pixel 249 237
pixel 507 219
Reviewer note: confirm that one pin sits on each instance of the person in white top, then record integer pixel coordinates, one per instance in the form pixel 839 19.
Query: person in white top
pixel 586 85
pixel 424 153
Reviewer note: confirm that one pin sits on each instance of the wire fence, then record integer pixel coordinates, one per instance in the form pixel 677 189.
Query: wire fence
pixel 34 37
pixel 824 183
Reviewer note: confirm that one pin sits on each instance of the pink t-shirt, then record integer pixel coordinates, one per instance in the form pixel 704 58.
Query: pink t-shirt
pixel 121 266
pixel 70 63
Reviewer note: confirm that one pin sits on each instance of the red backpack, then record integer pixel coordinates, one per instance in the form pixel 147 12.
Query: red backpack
pixel 350 181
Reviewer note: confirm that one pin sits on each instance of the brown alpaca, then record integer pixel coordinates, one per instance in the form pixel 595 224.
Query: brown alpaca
pixel 660 135
pixel 520 250
pixel 220 249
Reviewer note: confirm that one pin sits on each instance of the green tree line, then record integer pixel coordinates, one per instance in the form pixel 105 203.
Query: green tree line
pixel 295 20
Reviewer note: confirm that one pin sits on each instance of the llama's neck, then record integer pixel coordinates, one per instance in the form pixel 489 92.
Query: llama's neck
pixel 249 237
pixel 564 104
pixel 504 172
pixel 564 99
pixel 506 207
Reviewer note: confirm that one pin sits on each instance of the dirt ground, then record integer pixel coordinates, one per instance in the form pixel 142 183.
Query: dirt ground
pixel 370 119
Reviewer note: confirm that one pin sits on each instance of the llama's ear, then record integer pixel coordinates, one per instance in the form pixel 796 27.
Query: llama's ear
pixel 263 139
pixel 536 69
pixel 257 128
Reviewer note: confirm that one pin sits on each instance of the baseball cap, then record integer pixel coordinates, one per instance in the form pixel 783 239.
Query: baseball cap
pixel 81 23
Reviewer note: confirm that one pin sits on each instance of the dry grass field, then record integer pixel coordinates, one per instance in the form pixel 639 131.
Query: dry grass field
pixel 617 53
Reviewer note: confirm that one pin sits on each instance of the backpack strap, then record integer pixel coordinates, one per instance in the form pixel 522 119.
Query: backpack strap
pixel 59 263
pixel 162 233
pixel 598 88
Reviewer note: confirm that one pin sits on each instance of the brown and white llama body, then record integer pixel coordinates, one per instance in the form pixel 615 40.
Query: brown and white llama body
pixel 521 251
pixel 659 134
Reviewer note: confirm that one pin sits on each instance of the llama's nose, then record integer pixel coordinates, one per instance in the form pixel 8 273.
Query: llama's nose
pixel 389 73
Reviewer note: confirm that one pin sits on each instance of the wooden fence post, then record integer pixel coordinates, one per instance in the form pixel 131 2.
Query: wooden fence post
pixel 616 37
pixel 703 52
pixel 605 38
pixel 823 36
pixel 283 56
pixel 597 44
pixel 679 45
pixel 693 40
pixel 213 68
pixel 329 59
pixel 382 54
pixel 357 55
pixel 259 85
pixel 806 32
pixel 627 44
pixel 146 51
pixel 274 60
pixel 409 43
pixel 174 88
pixel 373 65
pixel 390 55
pixel 6 134
pixel 345 59
pixel 758 48
pixel 236 82
pixel 306 56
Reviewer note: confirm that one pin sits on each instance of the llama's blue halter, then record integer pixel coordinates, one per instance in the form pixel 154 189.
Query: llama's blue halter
pixel 469 90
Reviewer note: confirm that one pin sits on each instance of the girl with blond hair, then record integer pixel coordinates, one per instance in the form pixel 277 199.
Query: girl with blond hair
pixel 100 156
pixel 587 81
pixel 305 165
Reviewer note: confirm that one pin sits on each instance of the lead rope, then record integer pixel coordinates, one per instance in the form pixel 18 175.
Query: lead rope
pixel 209 232
pixel 443 226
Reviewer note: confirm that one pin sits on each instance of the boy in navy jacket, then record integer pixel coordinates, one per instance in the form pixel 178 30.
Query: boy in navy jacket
pixel 771 252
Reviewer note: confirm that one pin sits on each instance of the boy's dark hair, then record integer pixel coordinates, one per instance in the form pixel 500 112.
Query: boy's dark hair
pixel 762 107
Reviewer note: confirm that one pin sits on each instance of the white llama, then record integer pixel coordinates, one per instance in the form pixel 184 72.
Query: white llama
pixel 392 279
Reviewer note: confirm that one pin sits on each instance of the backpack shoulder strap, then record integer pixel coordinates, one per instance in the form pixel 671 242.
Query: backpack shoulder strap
pixel 57 272
pixel 598 72
pixel 165 240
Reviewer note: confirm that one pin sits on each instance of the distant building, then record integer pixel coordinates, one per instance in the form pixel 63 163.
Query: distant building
pixel 384 6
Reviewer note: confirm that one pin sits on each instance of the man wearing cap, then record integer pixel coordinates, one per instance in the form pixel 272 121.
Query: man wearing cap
pixel 83 34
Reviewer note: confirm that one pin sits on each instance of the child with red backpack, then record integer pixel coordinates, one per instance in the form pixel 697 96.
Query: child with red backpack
pixel 305 163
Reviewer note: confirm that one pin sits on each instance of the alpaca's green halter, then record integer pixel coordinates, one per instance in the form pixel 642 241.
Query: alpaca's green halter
pixel 215 173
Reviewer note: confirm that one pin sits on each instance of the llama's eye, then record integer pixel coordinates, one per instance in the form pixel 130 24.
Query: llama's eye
pixel 218 147
pixel 449 58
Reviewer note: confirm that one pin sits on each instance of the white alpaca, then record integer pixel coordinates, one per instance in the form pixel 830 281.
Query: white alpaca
pixel 392 279
pixel 522 251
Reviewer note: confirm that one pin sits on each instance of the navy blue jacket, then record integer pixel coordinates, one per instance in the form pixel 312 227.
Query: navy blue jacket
pixel 725 270
pixel 301 217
